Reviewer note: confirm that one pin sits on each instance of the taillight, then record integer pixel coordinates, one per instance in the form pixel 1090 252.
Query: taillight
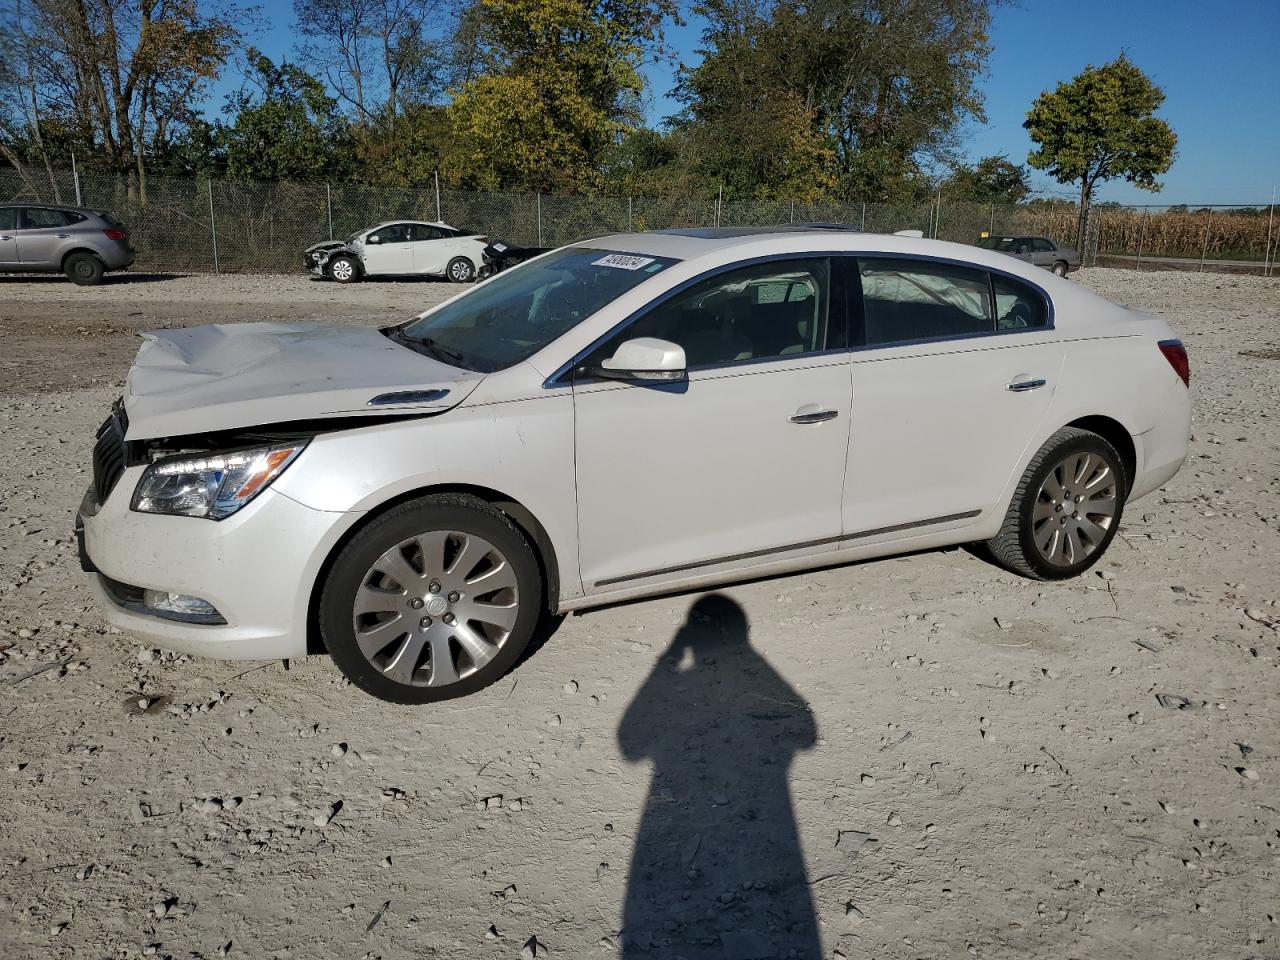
pixel 1176 354
pixel 115 233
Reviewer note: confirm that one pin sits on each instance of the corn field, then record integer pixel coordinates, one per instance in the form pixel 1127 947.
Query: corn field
pixel 201 225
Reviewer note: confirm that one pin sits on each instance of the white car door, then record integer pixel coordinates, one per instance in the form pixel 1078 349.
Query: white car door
pixel 741 464
pixel 430 250
pixel 388 251
pixel 947 394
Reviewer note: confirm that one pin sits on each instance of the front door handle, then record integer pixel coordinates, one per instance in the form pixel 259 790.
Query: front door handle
pixel 63 236
pixel 810 413
pixel 6 238
pixel 1022 386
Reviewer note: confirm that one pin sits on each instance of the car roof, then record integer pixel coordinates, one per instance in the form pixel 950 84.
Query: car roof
pixel 421 223
pixel 92 211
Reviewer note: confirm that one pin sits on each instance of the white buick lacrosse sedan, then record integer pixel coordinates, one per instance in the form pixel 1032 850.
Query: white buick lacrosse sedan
pixel 627 416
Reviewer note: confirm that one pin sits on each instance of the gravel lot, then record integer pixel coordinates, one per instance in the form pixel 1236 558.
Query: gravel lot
pixel 921 757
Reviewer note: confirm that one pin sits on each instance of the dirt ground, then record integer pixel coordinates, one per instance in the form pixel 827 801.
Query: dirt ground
pixel 921 757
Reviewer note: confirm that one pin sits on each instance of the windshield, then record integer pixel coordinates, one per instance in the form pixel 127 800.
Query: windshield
pixel 1003 244
pixel 515 314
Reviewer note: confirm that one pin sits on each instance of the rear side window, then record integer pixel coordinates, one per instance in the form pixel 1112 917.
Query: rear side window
pixel 1041 245
pixel 421 231
pixel 907 300
pixel 34 218
pixel 8 218
pixel 1018 306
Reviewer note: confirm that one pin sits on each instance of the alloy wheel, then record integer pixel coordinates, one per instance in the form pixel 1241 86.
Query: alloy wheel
pixel 435 608
pixel 342 270
pixel 460 271
pixel 1075 507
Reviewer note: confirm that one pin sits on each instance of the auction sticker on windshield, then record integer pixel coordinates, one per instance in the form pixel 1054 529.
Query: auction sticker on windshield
pixel 622 261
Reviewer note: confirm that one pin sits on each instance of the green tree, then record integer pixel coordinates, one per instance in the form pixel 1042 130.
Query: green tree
pixel 1101 126
pixel 554 84
pixel 855 96
pixel 284 126
pixel 990 180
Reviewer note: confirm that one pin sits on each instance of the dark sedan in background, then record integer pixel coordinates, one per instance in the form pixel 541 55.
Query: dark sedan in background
pixel 1041 251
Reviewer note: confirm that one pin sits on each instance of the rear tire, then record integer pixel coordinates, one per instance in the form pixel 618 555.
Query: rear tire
pixel 472 600
pixel 344 269
pixel 84 269
pixel 1065 510
pixel 1060 268
pixel 461 270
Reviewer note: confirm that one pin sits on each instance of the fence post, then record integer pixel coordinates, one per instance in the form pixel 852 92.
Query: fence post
pixel 328 202
pixel 439 215
pixel 75 176
pixel 991 227
pixel 793 211
pixel 1204 249
pixel 213 229
pixel 719 201
pixel 937 216
pixel 863 226
pixel 539 219
pixel 1142 235
pixel 628 214
pixel 1266 252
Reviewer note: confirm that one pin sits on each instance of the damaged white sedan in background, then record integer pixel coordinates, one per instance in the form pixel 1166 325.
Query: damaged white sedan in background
pixel 623 417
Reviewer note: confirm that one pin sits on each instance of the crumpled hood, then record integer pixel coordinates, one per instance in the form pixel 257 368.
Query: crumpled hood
pixel 325 245
pixel 230 376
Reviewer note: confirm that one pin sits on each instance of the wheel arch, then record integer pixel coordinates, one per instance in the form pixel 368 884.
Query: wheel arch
pixel 543 548
pixel 1115 433
pixel 62 264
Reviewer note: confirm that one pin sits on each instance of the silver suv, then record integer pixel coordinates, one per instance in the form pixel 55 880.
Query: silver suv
pixel 84 244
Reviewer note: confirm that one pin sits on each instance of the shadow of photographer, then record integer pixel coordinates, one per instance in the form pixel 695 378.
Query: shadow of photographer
pixel 717 869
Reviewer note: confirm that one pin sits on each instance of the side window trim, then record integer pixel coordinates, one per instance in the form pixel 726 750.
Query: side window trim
pixel 859 344
pixel 562 376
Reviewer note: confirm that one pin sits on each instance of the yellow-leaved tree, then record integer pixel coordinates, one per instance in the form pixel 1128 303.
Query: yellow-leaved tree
pixel 559 83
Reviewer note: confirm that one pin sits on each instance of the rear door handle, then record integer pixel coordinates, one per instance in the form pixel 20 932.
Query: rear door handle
pixel 810 413
pixel 1022 386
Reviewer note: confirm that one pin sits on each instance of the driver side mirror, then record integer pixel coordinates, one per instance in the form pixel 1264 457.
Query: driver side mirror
pixel 644 359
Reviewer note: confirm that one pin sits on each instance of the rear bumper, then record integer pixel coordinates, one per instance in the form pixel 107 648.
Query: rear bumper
pixel 118 258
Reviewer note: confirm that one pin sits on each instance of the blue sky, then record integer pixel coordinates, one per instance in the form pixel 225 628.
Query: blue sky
pixel 1215 61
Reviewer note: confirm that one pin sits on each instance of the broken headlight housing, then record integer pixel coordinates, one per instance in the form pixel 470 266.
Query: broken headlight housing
pixel 213 485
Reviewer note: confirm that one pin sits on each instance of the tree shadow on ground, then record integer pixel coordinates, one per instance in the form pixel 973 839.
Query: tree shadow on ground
pixel 717 871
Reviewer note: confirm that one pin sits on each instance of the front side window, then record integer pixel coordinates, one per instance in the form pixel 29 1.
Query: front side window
pixel 35 218
pixel 395 233
pixel 906 300
pixel 764 311
pixel 510 317
pixel 1002 244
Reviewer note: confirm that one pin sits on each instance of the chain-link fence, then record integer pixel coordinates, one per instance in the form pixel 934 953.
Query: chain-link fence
pixel 203 225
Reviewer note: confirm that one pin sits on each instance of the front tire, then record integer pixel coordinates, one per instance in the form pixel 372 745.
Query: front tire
pixel 1066 509
pixel 84 269
pixel 344 270
pixel 1060 268
pixel 435 599
pixel 461 270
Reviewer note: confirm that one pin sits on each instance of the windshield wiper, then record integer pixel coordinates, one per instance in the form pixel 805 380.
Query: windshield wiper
pixel 427 346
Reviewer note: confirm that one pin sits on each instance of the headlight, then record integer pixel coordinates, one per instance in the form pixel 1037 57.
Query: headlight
pixel 215 486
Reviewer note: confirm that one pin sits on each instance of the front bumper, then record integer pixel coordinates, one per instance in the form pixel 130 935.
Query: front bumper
pixel 256 567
